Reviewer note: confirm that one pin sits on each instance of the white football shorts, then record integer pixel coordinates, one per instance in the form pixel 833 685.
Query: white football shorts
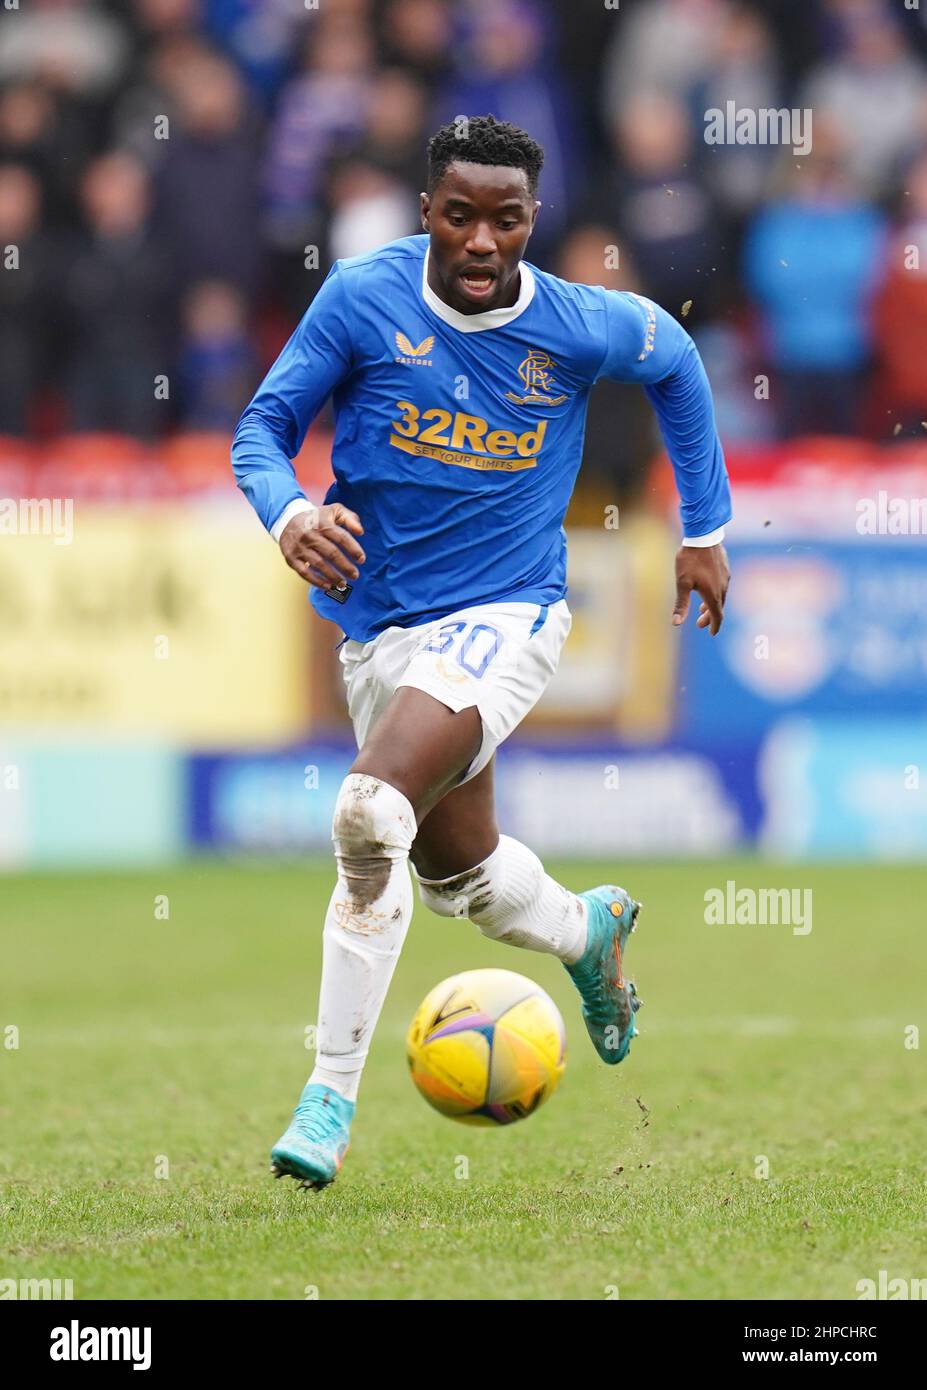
pixel 497 656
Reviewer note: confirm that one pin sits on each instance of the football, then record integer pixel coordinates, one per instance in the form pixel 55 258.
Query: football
pixel 487 1047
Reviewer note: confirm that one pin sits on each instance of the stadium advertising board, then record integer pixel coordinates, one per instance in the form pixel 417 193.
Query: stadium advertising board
pixel 159 621
pixel 826 607
pixel 669 799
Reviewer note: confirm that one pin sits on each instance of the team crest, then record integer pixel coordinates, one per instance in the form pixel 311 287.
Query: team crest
pixel 414 356
pixel 536 377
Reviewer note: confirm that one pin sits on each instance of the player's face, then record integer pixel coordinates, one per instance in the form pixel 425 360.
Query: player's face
pixel 479 218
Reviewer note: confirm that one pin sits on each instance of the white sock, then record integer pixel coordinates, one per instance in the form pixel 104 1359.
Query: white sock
pixel 366 923
pixel 511 898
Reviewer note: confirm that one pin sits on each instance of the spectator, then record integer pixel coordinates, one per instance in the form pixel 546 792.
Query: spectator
pixel 368 207
pixel 373 192
pixel 900 316
pixel 502 69
pixel 621 437
pixel 297 135
pixel 744 69
pixel 167 39
pixel 744 417
pixel 118 297
pixel 663 47
pixel 258 35
pixel 218 368
pixel 664 212
pixel 812 262
pixel 73 48
pixel 416 34
pixel 165 17
pixel 206 190
pixel 875 92
pixel 322 112
pixel 396 131
pixel 26 270
pixel 586 27
pixel 34 133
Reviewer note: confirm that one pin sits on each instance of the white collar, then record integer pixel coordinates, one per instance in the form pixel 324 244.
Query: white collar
pixel 491 318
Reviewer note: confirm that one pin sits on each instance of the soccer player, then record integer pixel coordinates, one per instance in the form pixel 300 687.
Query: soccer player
pixel 459 375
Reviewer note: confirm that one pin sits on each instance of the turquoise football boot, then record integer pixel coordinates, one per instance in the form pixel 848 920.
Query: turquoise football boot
pixel 314 1146
pixel 609 1001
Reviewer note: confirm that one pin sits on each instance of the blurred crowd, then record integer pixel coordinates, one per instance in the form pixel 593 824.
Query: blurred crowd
pixel 176 176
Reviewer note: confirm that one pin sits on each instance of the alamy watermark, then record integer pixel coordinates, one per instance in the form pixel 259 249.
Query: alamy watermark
pixel 762 125
pixel 37 1290
pixel 891 516
pixel 38 516
pixel 731 906
pixel 77 1343
pixel 885 1288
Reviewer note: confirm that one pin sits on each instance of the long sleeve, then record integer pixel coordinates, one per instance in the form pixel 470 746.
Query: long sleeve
pixel 271 430
pixel 648 347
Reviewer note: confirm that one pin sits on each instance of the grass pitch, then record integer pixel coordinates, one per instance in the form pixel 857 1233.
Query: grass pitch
pixel 175 1047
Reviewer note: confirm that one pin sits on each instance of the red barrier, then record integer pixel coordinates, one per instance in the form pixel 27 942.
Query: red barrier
pixel 117 467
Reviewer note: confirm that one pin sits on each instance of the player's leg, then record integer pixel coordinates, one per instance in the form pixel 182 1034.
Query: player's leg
pixel 417 749
pixel 421 745
pixel 510 896
pixel 465 868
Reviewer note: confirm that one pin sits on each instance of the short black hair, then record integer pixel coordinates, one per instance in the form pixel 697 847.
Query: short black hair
pixel 483 140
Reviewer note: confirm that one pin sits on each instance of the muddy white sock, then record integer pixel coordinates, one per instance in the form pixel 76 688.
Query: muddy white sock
pixel 365 925
pixel 511 898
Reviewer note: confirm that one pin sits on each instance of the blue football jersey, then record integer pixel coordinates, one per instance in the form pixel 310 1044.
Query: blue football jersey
pixel 458 437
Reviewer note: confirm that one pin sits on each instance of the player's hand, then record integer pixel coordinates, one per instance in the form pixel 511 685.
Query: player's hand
pixel 320 546
pixel 705 570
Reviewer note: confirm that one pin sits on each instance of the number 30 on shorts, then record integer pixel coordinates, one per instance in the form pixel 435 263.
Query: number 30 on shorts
pixel 476 644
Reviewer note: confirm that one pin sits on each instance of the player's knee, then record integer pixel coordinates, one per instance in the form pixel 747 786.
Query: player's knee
pixel 372 818
pixel 465 895
pixel 441 902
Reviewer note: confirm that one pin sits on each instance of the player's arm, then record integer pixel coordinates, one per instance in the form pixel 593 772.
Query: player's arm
pixel 646 345
pixel 317 542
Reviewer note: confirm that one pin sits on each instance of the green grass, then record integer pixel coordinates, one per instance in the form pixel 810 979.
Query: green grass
pixel 184 1038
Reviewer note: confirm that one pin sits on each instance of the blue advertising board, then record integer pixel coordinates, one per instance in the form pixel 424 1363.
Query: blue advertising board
pixel 821 630
pixel 589 797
